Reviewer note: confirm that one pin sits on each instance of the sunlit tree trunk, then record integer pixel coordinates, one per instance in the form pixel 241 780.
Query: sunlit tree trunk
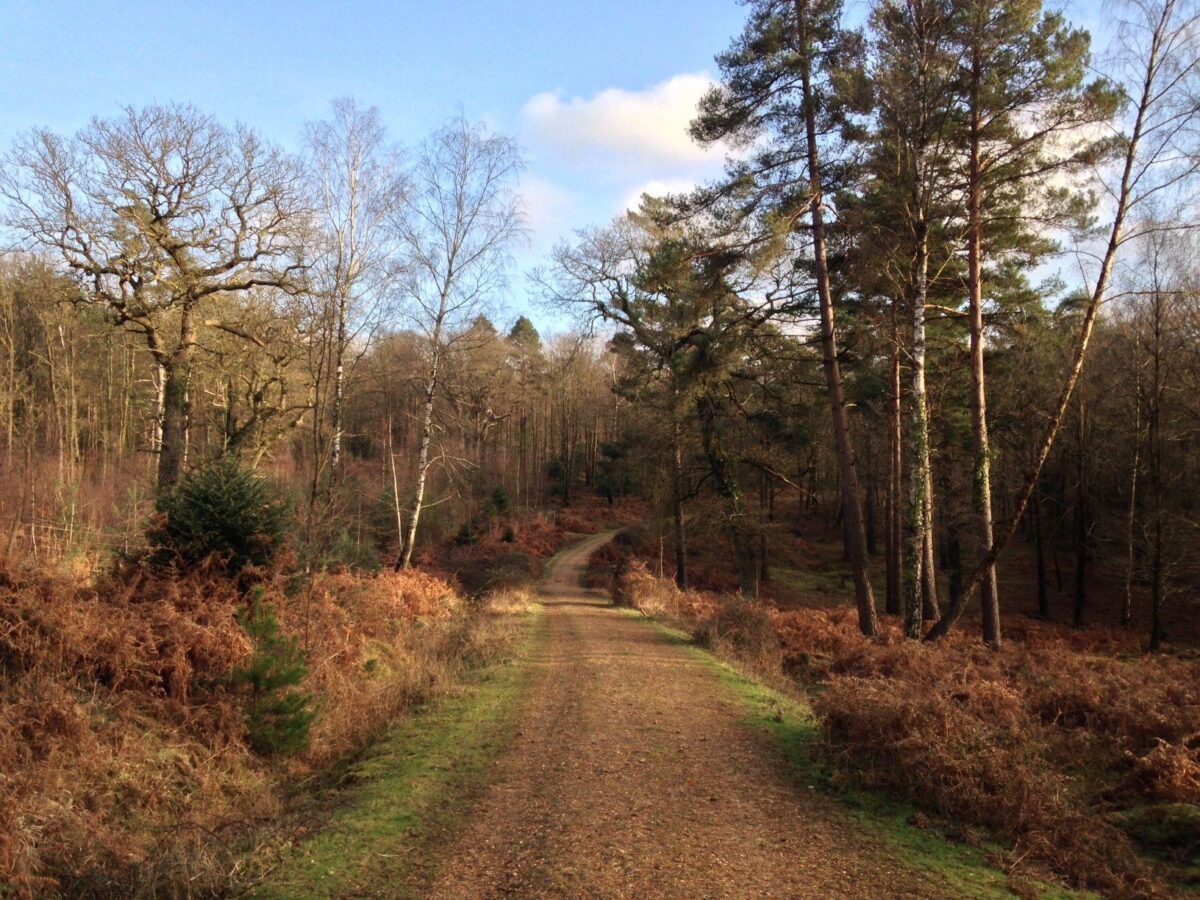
pixel 981 446
pixel 895 528
pixel 916 535
pixel 1155 89
pixel 851 497
pixel 414 518
pixel 339 387
pixel 929 587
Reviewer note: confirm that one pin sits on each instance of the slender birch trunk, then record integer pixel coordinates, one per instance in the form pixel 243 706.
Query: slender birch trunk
pixel 930 608
pixel 339 380
pixel 410 539
pixel 391 453
pixel 916 538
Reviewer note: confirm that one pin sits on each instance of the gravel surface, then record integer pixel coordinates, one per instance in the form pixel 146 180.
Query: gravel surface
pixel 632 776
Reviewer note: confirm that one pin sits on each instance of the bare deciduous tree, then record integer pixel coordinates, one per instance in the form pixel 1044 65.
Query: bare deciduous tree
pixel 158 212
pixel 455 230
pixel 358 182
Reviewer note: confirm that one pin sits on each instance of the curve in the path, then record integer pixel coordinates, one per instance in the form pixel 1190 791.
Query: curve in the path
pixel 632 775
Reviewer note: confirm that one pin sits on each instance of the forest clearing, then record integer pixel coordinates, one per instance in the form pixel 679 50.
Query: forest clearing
pixel 770 471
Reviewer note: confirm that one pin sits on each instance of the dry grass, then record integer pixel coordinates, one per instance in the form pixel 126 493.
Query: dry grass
pixel 735 627
pixel 123 764
pixel 1051 741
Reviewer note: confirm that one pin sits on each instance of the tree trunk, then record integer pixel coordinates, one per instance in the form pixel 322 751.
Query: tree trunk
pixel 160 395
pixel 894 504
pixel 982 493
pixel 391 453
pixel 410 539
pixel 175 372
pixel 851 499
pixel 1050 433
pixel 916 535
pixel 681 572
pixel 174 424
pixel 929 589
pixel 339 379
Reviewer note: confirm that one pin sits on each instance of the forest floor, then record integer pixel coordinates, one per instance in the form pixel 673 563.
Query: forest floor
pixel 615 760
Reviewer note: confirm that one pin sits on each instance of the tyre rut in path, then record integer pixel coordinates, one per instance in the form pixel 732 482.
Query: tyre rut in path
pixel 631 776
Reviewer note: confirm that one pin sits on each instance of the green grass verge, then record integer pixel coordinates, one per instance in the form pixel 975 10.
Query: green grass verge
pixel 794 730
pixel 408 793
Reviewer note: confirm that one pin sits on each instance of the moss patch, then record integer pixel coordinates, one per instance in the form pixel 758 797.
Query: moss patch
pixel 1171 832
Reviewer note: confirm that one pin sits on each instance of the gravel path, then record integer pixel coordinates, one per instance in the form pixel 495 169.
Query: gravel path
pixel 632 777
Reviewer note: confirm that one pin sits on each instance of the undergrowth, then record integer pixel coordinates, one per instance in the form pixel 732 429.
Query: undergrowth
pixel 127 757
pixel 1080 752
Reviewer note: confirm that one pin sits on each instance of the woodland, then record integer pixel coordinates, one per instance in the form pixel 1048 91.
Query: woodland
pixel 901 416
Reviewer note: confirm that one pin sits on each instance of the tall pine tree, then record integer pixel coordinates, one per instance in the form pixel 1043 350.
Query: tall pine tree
pixel 794 85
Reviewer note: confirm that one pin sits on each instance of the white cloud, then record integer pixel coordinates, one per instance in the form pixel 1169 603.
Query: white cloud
pixel 656 187
pixel 647 127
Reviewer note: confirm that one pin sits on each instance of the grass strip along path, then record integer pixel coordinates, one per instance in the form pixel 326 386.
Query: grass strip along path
pixel 612 759
pixel 409 792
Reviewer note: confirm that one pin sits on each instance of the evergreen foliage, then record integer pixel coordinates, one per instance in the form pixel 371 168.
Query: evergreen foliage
pixel 221 512
pixel 498 504
pixel 277 716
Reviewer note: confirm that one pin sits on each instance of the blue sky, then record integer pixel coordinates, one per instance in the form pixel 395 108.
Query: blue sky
pixel 596 93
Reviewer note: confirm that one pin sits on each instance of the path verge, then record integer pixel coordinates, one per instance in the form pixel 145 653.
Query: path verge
pixel 409 792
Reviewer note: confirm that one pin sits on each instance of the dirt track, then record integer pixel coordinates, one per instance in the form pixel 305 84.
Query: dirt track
pixel 632 777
